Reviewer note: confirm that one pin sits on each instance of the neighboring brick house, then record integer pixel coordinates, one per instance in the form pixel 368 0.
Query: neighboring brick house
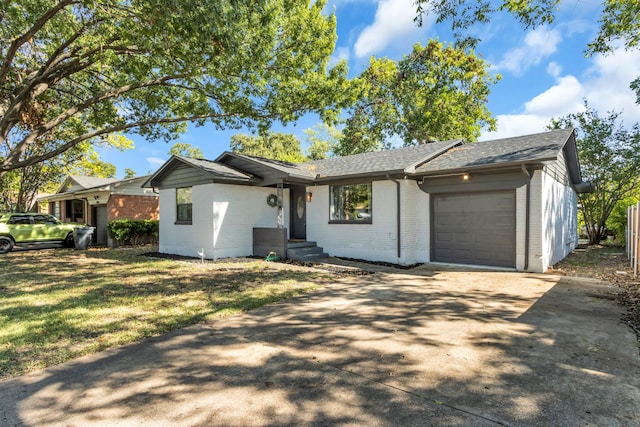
pixel 96 201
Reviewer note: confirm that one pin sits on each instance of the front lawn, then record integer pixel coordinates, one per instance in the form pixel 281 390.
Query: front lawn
pixel 58 304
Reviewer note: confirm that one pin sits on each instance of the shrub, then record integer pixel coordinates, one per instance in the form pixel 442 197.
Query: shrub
pixel 134 231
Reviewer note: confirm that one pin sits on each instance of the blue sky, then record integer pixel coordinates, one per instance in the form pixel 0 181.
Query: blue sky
pixel 544 71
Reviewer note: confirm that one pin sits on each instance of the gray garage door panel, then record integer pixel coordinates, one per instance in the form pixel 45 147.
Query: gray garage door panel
pixel 475 228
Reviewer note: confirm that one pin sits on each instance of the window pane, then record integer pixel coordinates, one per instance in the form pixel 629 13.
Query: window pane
pixel 183 195
pixel 350 202
pixel 183 204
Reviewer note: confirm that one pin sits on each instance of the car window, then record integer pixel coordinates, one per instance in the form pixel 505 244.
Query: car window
pixel 19 219
pixel 44 219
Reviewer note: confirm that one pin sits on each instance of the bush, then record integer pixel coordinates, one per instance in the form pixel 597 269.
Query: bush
pixel 134 231
pixel 617 221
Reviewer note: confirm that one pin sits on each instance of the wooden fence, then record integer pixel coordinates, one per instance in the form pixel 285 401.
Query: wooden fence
pixel 633 236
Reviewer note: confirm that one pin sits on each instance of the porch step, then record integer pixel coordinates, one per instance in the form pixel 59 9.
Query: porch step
pixel 304 251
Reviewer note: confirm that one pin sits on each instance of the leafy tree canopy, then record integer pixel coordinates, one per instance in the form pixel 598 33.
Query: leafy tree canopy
pixel 619 20
pixel 437 92
pixel 322 140
pixel 270 145
pixel 609 157
pixel 187 150
pixel 74 70
pixel 129 173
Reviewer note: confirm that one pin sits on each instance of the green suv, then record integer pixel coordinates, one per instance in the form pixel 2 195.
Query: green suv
pixel 33 228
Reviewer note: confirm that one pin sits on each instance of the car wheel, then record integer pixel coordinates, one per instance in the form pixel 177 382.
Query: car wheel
pixel 6 244
pixel 68 242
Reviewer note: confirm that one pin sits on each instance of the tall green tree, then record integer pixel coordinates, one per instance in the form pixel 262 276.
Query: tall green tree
pixel 619 20
pixel 437 92
pixel 321 140
pixel 74 71
pixel 187 150
pixel 609 157
pixel 269 145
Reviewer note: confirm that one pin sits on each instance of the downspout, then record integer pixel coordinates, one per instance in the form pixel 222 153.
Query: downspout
pixel 526 218
pixel 398 228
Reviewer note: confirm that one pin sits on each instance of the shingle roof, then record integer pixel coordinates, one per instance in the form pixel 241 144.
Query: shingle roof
pixel 538 147
pixel 243 161
pixel 395 160
pixel 420 160
pixel 92 181
pixel 215 168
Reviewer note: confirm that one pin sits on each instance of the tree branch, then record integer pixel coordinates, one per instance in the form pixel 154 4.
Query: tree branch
pixel 28 35
pixel 10 163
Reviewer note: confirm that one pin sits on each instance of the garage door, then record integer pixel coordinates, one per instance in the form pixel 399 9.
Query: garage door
pixel 476 228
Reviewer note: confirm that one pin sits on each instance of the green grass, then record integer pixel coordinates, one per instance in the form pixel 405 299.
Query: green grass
pixel 56 305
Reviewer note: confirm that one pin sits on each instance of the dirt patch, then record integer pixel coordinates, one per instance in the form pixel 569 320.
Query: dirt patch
pixel 608 263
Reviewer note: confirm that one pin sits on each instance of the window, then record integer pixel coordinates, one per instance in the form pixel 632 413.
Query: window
pixel 350 203
pixel 183 204
pixel 19 219
pixel 45 219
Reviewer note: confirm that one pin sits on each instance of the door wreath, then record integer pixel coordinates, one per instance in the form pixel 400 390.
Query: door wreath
pixel 272 200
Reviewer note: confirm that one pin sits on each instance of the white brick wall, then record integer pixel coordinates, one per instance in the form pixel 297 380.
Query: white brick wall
pixel 554 231
pixel 415 223
pixel 376 241
pixel 559 209
pixel 521 221
pixel 535 224
pixel 223 220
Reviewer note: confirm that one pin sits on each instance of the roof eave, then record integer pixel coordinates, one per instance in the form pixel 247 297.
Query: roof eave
pixel 537 164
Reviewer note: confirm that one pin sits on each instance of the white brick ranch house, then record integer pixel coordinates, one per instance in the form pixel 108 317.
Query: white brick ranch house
pixel 508 203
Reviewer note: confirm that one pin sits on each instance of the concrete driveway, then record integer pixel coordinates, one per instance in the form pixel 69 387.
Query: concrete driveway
pixel 419 347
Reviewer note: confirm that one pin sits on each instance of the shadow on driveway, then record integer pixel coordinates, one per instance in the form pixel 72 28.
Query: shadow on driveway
pixel 420 347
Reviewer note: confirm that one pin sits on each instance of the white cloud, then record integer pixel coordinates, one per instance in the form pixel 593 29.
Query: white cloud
pixel 560 99
pixel 554 69
pixel 393 22
pixel 538 45
pixel 605 85
pixel 155 162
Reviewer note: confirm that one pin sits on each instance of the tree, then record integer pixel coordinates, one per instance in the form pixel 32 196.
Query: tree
pixel 437 92
pixel 270 145
pixel 19 188
pixel 617 221
pixel 129 173
pixel 619 21
pixel 187 150
pixel 322 139
pixel 74 71
pixel 610 159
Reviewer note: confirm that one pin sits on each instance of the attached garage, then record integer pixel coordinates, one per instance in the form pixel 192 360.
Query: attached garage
pixel 475 228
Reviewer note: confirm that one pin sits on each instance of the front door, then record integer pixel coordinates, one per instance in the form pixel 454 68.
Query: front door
pixel 298 213
pixel 101 225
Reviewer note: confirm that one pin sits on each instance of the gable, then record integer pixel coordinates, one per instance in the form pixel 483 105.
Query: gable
pixel 79 182
pixel 181 171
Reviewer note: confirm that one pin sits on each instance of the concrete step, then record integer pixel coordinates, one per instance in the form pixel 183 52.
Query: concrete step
pixel 305 251
pixel 292 244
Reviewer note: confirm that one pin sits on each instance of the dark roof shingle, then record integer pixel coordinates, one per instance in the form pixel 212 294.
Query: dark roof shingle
pixel 404 159
pixel 537 148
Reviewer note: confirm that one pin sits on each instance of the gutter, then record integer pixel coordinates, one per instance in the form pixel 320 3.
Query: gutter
pixel 398 227
pixel 526 216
